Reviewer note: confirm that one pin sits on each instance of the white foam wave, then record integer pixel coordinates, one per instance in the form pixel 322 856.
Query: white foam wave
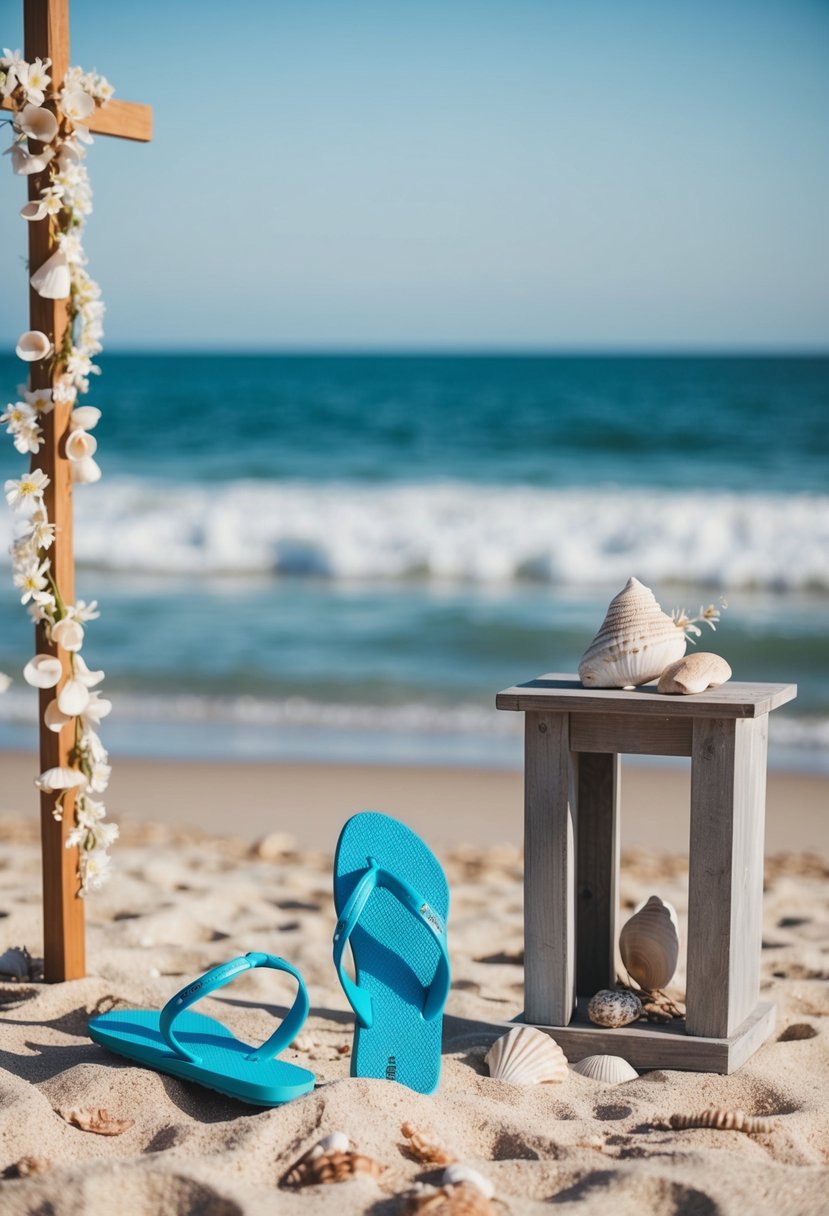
pixel 483 534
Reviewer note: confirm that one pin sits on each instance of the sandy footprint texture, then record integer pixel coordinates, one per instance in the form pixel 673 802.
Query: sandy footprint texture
pixel 182 902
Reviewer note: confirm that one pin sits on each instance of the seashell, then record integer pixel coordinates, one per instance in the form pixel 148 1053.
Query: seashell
pixel 73 698
pixel 25 163
pixel 84 418
pixel 85 472
pixel 614 1008
pixel 76 104
pixel 55 718
pixel 27 1167
pixel 79 445
pixel 526 1056
pixel 51 280
pixel 334 1142
pixel 33 345
pixel 635 643
pixel 329 1168
pixel 425 1146
pixel 458 1174
pixel 38 123
pixel 722 1120
pixel 96 1119
pixel 449 1201
pixel 33 211
pixel 609 1070
pixel 43 671
pixel 16 963
pixel 60 778
pixel 649 944
pixel 694 673
pixel 68 633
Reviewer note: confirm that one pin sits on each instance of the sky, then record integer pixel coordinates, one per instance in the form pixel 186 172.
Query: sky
pixel 455 174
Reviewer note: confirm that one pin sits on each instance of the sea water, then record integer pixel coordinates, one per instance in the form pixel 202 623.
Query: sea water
pixel 345 557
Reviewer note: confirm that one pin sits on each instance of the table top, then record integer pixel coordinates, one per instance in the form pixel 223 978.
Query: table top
pixel 564 693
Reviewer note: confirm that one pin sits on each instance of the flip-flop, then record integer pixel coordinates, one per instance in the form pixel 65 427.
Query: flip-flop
pixel 197 1048
pixel 392 901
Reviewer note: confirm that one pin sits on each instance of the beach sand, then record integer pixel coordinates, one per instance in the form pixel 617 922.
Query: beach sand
pixel 193 888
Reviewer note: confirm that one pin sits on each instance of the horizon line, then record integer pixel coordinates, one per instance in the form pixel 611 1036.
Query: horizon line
pixel 461 352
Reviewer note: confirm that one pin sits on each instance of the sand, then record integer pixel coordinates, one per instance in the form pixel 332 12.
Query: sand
pixel 185 899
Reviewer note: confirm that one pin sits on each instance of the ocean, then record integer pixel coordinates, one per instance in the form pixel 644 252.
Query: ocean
pixel 334 557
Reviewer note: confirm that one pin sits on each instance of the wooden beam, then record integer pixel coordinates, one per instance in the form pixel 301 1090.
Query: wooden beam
pixel 125 119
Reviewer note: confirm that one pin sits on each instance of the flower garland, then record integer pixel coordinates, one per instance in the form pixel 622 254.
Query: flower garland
pixel 64 204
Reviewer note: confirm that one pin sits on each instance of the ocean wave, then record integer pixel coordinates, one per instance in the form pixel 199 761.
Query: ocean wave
pixel 484 534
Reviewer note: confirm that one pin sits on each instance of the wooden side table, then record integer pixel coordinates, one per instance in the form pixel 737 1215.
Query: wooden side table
pixel 573 740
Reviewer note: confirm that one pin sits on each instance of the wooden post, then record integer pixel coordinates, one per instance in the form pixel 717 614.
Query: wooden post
pixel 549 872
pixel 597 866
pixel 46 35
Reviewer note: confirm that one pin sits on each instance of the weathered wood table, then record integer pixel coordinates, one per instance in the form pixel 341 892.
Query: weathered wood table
pixel 573 740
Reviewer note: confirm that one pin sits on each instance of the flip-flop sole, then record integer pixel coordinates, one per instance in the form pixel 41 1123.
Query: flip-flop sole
pixel 395 957
pixel 223 1066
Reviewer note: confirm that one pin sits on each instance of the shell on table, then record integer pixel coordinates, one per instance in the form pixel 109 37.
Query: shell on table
pixel 635 643
pixel 649 944
pixel 609 1070
pixel 694 673
pixel 614 1007
pixel 526 1056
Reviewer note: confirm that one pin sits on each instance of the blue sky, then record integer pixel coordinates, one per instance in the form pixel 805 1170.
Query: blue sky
pixel 453 174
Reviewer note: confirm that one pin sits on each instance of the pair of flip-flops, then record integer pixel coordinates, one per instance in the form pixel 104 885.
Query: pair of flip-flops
pixel 392 902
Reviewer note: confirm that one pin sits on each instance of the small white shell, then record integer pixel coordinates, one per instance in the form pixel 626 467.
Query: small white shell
pixel 76 104
pixel 43 671
pixel 84 472
pixel 51 280
pixel 33 211
pixel 458 1174
pixel 334 1142
pixel 73 698
pixel 610 1070
pixel 33 345
pixel 68 633
pixel 16 962
pixel 694 673
pixel 60 778
pixel 635 643
pixel 526 1056
pixel 79 445
pixel 55 718
pixel 614 1008
pixel 38 123
pixel 649 944
pixel 84 418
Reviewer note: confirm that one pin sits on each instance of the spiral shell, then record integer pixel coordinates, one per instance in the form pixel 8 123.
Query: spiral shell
pixel 649 944
pixel 609 1070
pixel 723 1120
pixel 526 1056
pixel 614 1008
pixel 694 673
pixel 635 644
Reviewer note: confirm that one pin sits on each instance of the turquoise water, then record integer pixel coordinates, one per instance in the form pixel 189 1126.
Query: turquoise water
pixel 346 557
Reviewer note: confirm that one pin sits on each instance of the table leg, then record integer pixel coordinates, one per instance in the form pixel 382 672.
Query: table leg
pixel 725 875
pixel 549 871
pixel 598 791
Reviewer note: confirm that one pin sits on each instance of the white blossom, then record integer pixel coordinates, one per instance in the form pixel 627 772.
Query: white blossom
pixel 26 489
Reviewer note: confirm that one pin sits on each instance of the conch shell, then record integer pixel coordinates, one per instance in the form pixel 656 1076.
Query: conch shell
pixel 526 1056
pixel 694 673
pixel 610 1070
pixel 635 644
pixel 649 944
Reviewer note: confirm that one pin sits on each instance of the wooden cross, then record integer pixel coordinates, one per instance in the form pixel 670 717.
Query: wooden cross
pixel 46 35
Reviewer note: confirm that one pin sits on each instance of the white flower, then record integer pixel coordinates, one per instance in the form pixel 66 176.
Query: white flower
pixel 81 611
pixel 25 163
pixel 91 743
pixel 64 392
pixel 43 671
pixel 28 438
pixel 17 415
pixel 99 778
pixel 68 634
pixel 82 673
pixel 5 682
pixel 27 489
pixel 97 707
pixel 17 70
pixel 41 532
pixel 94 870
pixel 31 579
pixel 73 698
pixel 43 607
pixel 40 399
pixel 36 81
pixel 51 200
pixel 76 104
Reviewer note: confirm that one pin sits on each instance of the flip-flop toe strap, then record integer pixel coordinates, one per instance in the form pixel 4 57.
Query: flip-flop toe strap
pixel 377 876
pixel 287 1030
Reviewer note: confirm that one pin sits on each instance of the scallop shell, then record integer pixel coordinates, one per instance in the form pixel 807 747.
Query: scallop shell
pixel 695 673
pixel 614 1008
pixel 635 644
pixel 449 1201
pixel 425 1146
pixel 610 1070
pixel 96 1119
pixel 649 944
pixel 526 1056
pixel 330 1167
pixel 51 280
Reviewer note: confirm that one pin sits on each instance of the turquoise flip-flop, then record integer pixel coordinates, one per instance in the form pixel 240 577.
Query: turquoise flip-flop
pixel 392 901
pixel 197 1048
